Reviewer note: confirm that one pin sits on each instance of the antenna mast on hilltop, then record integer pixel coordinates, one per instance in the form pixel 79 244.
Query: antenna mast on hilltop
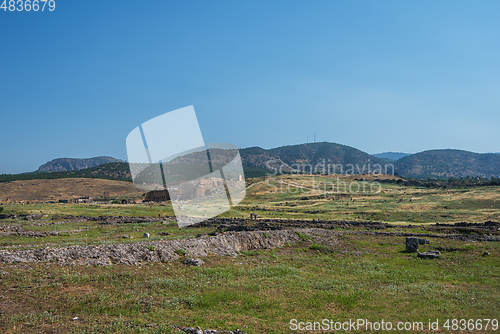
pixel 315 137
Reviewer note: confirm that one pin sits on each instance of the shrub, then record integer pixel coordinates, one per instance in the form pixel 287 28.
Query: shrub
pixel 150 247
pixel 181 251
pixel 316 246
pixel 303 236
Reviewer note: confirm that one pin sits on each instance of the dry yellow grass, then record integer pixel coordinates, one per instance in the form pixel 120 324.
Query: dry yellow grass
pixel 53 190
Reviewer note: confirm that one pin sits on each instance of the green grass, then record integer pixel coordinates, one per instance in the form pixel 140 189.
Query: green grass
pixel 181 252
pixel 281 197
pixel 93 233
pixel 317 246
pixel 258 292
pixel 296 197
pixel 304 236
pixel 133 210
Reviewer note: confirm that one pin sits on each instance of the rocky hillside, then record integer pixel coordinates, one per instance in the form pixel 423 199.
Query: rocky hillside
pixel 72 164
pixel 315 153
pixel 448 163
pixel 259 162
pixel 256 162
pixel 298 156
pixel 111 171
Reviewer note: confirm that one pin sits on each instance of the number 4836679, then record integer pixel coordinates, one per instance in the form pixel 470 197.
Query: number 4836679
pixel 27 5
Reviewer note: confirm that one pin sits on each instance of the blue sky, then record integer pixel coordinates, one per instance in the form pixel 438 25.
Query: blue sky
pixel 375 75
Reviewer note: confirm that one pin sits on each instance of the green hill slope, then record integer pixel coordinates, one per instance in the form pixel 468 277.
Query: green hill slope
pixel 448 163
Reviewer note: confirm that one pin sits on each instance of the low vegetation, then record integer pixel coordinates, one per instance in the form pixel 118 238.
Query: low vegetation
pixel 354 276
pixel 258 292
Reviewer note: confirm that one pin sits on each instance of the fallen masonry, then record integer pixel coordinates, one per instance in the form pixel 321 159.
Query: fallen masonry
pixel 423 241
pixel 19 231
pixel 194 262
pixel 198 330
pixel 412 244
pixel 429 255
pixel 224 244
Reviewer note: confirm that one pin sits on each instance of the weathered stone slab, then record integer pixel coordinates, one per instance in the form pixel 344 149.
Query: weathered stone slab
pixel 429 255
pixel 411 244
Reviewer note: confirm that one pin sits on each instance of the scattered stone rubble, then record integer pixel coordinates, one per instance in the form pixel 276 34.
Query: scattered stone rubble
pixel 488 231
pixel 423 241
pixel 194 262
pixel 198 330
pixel 429 255
pixel 229 237
pixel 6 230
pixel 412 244
pixel 224 244
pixel 101 219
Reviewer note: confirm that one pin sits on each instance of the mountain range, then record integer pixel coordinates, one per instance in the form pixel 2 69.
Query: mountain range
pixel 306 157
pixel 448 163
pixel 71 164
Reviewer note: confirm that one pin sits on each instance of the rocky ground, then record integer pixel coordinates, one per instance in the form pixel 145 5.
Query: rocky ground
pixel 223 244
pixel 228 238
pixel 488 231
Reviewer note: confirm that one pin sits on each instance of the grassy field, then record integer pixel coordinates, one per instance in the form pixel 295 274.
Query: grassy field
pixel 307 197
pixel 355 277
pixel 296 197
pixel 64 189
pixel 258 292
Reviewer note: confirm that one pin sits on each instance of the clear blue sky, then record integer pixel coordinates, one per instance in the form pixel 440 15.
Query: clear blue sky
pixel 376 75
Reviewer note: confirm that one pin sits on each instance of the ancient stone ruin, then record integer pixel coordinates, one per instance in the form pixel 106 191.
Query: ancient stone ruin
pixel 429 255
pixel 411 245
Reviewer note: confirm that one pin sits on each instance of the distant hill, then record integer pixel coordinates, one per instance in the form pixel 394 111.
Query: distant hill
pixel 112 171
pixel 300 156
pixel 259 162
pixel 71 164
pixel 448 163
pixel 391 155
pixel 256 161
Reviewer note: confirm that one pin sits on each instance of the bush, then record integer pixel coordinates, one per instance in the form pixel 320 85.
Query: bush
pixel 303 236
pixel 316 246
pixel 1 209
pixel 181 252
